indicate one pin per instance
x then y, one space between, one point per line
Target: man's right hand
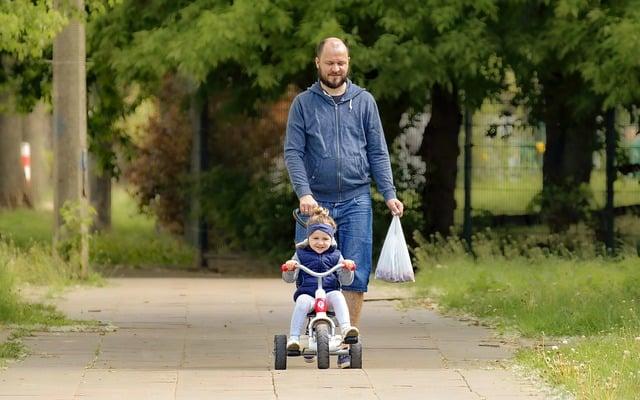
307 204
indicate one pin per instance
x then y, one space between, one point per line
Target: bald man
333 148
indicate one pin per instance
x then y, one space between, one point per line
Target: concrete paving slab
203 337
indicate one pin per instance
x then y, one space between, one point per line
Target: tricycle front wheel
322 338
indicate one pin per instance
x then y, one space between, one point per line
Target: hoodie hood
352 91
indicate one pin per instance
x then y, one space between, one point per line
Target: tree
27 27
441 54
407 55
37 132
568 57
11 175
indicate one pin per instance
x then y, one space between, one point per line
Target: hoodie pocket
324 176
354 172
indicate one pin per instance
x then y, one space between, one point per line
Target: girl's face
319 241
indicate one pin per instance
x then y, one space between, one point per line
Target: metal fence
506 166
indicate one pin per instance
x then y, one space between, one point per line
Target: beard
332 81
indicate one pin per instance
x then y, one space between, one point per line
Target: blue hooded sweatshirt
332 150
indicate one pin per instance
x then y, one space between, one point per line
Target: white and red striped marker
25 155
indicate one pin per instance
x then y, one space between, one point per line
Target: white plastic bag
394 264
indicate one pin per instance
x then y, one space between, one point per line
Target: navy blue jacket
307 284
332 150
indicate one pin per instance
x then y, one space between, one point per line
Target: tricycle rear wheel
355 351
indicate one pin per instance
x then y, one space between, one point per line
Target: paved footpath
202 337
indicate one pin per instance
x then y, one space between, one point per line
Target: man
334 145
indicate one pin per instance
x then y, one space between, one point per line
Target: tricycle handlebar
321 274
316 274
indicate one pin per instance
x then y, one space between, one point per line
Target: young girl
318 252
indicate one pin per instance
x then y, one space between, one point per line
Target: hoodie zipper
338 151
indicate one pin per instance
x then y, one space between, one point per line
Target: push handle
298 218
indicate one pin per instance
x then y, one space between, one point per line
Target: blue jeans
354 237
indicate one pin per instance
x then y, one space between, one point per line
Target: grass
598 367
25 227
33 266
555 297
12 349
133 241
581 309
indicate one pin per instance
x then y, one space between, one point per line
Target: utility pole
70 126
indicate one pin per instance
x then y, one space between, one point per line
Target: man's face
333 64
319 241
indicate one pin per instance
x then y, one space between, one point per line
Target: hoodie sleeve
294 149
377 152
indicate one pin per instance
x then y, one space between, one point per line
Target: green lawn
511 195
582 311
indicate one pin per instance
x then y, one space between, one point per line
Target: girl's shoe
293 344
309 359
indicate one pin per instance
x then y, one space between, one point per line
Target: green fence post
610 143
467 226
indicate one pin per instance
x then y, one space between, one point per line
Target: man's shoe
344 361
309 358
293 344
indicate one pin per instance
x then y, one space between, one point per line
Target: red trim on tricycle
320 305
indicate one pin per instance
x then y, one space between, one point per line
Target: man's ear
317 63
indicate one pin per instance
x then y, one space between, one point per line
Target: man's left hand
396 207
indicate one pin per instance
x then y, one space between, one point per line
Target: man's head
332 61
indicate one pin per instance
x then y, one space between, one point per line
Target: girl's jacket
307 284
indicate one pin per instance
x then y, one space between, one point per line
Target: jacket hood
352 91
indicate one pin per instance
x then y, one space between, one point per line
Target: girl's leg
304 304
338 304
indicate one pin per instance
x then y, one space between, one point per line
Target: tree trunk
440 152
36 131
571 137
12 179
100 196
571 141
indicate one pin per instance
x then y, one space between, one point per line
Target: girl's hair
320 215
